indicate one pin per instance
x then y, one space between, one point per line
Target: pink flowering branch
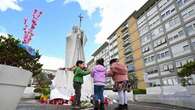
28 32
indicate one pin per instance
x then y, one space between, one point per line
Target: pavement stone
33 105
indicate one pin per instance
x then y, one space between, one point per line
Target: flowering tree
28 32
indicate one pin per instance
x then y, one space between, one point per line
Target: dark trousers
77 88
98 92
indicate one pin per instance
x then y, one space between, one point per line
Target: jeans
77 88
98 93
122 97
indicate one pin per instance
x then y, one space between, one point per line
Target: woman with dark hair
119 74
99 76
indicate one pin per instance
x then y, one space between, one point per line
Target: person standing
99 76
79 72
119 74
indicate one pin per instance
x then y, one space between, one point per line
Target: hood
99 68
119 68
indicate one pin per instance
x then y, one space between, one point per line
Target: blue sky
54 24
101 18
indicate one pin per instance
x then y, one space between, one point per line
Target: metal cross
80 18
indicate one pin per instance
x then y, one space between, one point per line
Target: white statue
75 43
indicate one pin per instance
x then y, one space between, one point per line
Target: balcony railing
125 35
124 28
126 43
131 68
128 59
128 50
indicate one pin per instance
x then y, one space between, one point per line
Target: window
157 32
181 62
163 55
129 58
172 23
176 35
190 28
128 50
154 83
183 3
147 49
154 22
188 13
141 21
180 49
186 47
152 70
143 29
149 59
152 12
168 12
146 38
170 81
165 82
164 3
178 64
175 81
112 38
131 68
165 67
193 43
181 33
159 42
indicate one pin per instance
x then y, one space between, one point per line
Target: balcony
126 43
129 59
125 35
128 50
131 68
124 28
154 75
115 55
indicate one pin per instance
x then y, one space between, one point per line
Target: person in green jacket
79 71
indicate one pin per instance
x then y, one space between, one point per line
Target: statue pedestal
62 86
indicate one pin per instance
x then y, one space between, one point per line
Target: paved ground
132 106
150 106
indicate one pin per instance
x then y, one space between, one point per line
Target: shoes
120 107
96 105
102 106
125 107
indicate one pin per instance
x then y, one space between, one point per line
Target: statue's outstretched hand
64 69
68 69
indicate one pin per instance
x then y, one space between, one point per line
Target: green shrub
37 97
139 91
12 54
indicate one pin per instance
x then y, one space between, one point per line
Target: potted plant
187 76
42 86
17 67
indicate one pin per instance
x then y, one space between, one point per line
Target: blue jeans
98 93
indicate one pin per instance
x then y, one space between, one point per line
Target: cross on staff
80 18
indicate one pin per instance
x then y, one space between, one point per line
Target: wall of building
162 38
137 54
120 46
166 34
